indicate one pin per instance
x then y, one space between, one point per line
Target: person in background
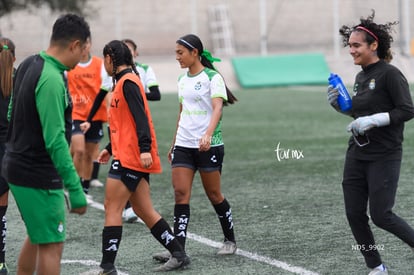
7 59
380 106
146 74
85 82
198 142
37 163
134 150
152 92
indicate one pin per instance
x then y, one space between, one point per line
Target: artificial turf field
287 205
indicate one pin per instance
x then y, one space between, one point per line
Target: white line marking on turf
254 256
249 255
88 263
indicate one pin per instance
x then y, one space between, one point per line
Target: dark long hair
373 32
191 42
120 55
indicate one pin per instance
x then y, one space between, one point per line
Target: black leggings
374 182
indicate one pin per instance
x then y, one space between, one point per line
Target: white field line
88 263
211 243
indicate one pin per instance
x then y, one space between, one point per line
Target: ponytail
207 60
7 57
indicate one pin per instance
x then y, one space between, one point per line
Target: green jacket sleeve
51 102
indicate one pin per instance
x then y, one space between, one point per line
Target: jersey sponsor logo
194 112
60 227
372 84
197 99
81 99
213 158
129 175
197 86
114 103
115 165
85 75
355 89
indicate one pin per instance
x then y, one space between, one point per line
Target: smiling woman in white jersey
198 143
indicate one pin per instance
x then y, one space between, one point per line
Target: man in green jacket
37 164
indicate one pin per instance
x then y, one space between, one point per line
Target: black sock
163 233
95 170
3 228
181 219
223 211
86 184
111 239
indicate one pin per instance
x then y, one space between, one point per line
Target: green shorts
43 212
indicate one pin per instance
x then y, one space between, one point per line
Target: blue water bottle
344 100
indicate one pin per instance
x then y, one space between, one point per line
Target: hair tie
5 47
207 55
368 31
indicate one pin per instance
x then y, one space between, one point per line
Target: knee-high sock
223 211
181 219
86 184
111 239
163 233
95 170
3 228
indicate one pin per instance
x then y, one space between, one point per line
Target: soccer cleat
162 257
129 215
378 271
108 272
3 269
174 263
96 183
228 248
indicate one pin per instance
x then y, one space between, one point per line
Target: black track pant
373 183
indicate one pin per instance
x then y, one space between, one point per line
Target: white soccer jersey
147 76
195 93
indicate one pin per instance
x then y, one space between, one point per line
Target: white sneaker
228 248
129 215
100 271
96 183
378 271
89 198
